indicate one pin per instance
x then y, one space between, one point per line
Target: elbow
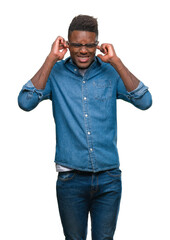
26 101
25 107
145 102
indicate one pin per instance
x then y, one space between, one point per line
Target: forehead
82 36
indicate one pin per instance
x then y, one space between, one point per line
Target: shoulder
58 66
59 63
107 68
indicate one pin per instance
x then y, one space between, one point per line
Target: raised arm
38 88
129 87
58 50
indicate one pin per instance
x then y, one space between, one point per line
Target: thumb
100 56
63 52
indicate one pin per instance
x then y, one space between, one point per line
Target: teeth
83 59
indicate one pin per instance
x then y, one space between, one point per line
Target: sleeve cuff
30 87
29 84
139 91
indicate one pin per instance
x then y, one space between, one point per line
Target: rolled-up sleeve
29 96
139 97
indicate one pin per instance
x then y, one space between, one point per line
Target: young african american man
83 89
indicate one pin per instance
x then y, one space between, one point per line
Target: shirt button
75 69
85 98
84 81
91 149
86 115
88 133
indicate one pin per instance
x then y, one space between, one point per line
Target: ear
67 42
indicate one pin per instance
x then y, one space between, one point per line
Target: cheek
92 54
73 52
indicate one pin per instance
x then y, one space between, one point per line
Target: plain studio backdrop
139 31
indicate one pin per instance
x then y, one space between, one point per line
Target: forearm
58 50
40 78
39 88
129 80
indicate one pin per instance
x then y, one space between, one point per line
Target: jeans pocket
115 172
65 176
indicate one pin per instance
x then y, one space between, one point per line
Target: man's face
82 56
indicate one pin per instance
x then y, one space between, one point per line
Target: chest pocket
102 89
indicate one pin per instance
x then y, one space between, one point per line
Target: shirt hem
87 169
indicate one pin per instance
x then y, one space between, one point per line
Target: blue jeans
79 193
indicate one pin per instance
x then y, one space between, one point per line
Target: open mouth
83 59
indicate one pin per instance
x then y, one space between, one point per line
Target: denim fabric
81 193
84 110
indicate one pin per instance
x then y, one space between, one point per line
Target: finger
100 48
110 47
111 50
56 43
62 43
101 57
62 46
64 52
66 45
60 40
104 48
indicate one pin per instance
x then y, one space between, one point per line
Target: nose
83 50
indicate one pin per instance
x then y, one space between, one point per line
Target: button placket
87 123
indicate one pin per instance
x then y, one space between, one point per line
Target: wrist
117 63
51 58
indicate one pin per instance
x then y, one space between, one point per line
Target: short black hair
83 23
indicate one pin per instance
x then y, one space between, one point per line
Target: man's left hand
109 53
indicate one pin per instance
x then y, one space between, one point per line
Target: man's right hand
58 49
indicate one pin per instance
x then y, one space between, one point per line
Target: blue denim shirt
84 110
